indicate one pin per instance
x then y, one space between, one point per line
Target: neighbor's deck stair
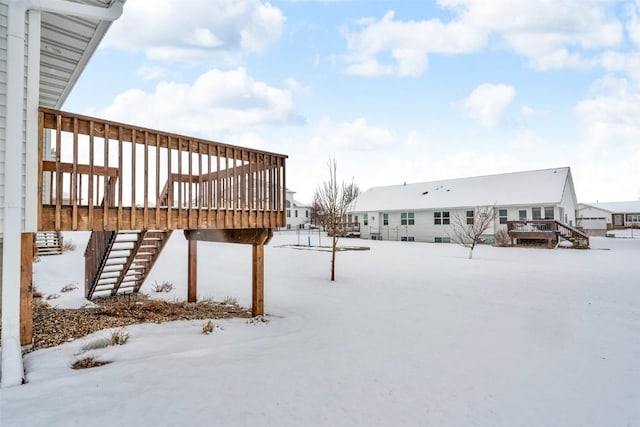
49 243
120 261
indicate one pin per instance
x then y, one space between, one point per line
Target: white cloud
486 104
203 30
297 88
409 43
564 34
527 111
151 73
216 102
356 135
612 114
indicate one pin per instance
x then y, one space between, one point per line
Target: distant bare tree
468 229
331 202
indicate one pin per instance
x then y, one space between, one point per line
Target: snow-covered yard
409 334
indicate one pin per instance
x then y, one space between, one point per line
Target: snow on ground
409 334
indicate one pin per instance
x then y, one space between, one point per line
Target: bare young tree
331 203
468 229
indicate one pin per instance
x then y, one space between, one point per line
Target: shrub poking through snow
502 238
95 344
257 320
68 288
162 287
53 296
207 328
35 292
88 362
119 337
230 301
68 246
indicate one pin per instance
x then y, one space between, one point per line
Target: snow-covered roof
617 207
298 204
536 187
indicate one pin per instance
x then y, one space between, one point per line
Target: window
502 214
536 213
442 240
296 212
407 218
385 219
288 204
522 215
306 214
407 239
548 213
470 217
365 219
441 218
633 217
288 213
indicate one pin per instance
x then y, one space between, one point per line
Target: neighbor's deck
101 175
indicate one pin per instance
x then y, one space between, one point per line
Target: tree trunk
333 257
473 245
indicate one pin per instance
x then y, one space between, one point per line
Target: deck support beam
192 267
257 281
257 237
26 288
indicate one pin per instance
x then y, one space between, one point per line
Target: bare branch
468 230
331 203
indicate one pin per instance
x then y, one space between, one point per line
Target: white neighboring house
424 211
298 214
45 46
596 218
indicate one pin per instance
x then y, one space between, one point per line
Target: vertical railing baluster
133 178
59 183
74 178
179 182
105 179
91 172
158 188
145 214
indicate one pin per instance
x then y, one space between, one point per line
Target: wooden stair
48 243
119 262
575 236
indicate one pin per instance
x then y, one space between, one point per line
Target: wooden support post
26 289
192 287
257 280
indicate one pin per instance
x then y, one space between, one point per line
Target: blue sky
396 91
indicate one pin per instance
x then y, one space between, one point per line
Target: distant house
596 218
424 211
298 213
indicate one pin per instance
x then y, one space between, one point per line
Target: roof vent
425 193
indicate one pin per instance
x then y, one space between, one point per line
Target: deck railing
151 179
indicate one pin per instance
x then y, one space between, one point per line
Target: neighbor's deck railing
151 179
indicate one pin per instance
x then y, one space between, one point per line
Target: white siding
591 218
298 215
3 103
425 229
568 203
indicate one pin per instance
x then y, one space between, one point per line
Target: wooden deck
549 231
103 175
